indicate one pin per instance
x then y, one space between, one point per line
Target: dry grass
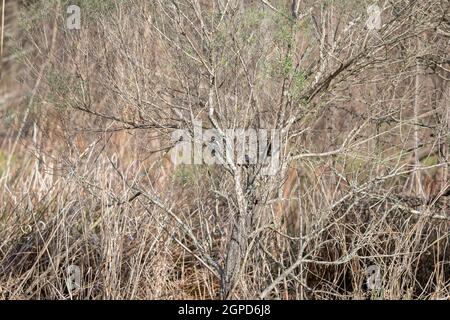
134 250
86 181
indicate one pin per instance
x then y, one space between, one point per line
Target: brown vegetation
86 176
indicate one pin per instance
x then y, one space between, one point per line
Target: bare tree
348 101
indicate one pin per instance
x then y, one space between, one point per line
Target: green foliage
99 6
184 174
3 161
61 84
31 16
58 81
249 29
430 161
378 294
284 33
18 53
287 66
298 83
253 18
